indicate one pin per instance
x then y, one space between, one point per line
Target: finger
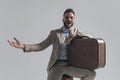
75 30
11 42
16 40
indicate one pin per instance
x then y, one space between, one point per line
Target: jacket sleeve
39 46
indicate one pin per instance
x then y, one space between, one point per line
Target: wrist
22 46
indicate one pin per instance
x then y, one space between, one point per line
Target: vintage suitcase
87 53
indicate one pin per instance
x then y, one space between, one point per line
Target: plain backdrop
30 21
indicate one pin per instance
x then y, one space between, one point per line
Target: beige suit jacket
54 38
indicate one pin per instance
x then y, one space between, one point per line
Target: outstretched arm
16 44
32 47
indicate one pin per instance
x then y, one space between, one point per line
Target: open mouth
68 23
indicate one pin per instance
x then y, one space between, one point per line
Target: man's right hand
16 43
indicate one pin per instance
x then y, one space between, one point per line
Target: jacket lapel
59 34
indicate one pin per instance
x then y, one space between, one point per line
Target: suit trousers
61 68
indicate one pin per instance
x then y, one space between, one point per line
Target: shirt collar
65 30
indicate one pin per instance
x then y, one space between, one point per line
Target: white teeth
68 23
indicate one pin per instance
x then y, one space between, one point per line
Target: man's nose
69 18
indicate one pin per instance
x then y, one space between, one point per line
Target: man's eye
68 17
71 17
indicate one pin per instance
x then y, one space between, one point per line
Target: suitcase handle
79 37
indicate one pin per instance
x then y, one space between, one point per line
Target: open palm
16 43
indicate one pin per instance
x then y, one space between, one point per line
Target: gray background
31 21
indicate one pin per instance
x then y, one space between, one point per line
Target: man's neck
68 28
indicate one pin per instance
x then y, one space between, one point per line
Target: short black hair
69 10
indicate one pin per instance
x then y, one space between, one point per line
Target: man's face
68 20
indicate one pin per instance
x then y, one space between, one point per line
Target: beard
68 25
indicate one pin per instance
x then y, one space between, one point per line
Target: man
59 38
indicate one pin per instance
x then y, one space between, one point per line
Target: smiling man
58 67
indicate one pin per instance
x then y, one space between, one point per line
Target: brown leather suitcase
87 53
